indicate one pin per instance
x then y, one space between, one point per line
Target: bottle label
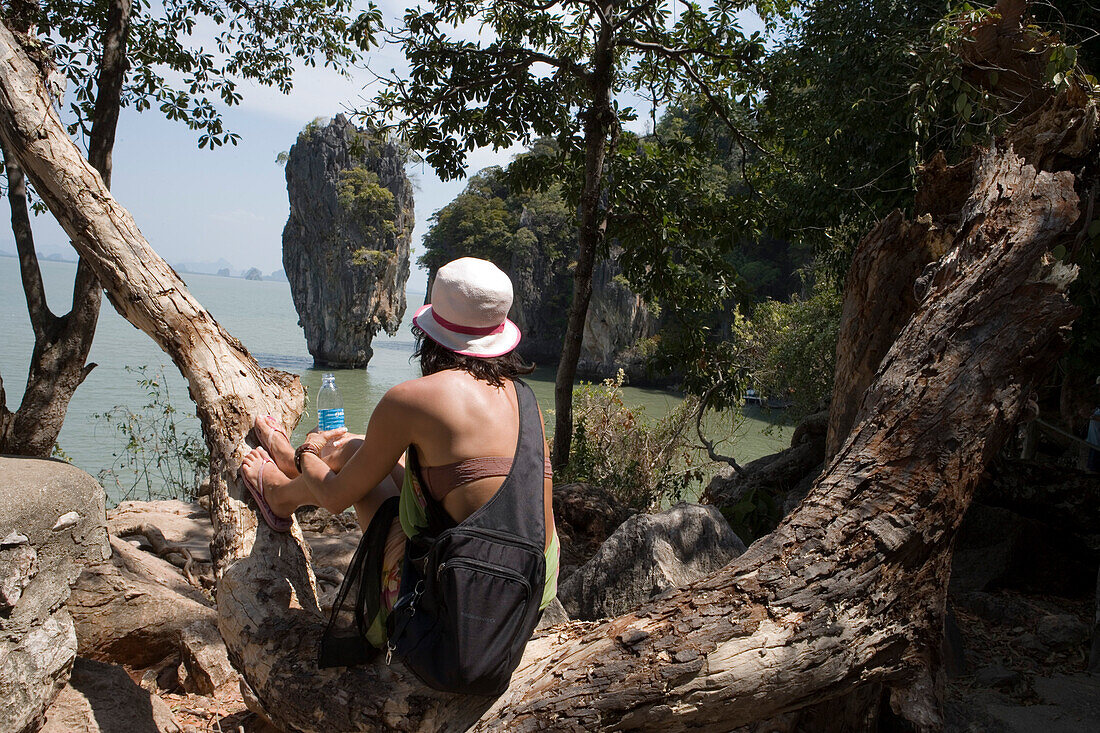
330 419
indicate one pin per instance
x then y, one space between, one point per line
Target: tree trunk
61 344
847 592
229 388
878 302
598 121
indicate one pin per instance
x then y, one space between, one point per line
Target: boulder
346 243
553 615
51 521
1061 631
585 516
204 658
101 698
647 555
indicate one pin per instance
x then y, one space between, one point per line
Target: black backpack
470 593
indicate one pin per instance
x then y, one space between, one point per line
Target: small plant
163 458
790 348
644 463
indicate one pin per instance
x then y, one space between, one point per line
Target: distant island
220 268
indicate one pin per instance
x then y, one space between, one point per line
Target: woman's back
462 418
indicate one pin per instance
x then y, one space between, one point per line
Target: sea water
261 314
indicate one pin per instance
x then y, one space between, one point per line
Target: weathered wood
879 300
229 388
847 592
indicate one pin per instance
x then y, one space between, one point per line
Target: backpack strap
518 503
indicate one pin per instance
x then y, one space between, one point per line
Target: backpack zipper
504 538
488 568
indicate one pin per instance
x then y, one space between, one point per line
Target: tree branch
42 319
711 452
597 9
670 52
626 19
112 75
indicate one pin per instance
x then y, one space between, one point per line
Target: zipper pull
389 652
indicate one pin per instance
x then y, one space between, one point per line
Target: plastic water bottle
330 408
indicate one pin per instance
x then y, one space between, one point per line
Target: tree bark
847 592
598 121
878 303
59 360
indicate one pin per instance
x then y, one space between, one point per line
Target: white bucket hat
468 313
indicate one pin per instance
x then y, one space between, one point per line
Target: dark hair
494 370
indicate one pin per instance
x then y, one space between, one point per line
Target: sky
200 205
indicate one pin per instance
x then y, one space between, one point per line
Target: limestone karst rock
618 326
617 330
346 243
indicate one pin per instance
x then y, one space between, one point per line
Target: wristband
306 447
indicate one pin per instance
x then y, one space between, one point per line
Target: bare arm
388 434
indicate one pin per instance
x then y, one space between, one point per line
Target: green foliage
790 348
645 463
373 258
162 457
314 126
834 111
171 70
754 515
487 220
59 453
370 206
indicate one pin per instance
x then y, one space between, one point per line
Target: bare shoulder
423 394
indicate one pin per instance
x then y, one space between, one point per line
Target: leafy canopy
187 58
535 67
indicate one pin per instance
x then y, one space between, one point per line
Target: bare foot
264 474
273 438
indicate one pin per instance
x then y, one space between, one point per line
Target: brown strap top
442 480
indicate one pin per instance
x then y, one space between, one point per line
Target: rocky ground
1026 661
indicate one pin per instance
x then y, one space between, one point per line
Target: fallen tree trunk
847 592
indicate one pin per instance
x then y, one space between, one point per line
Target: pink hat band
467 330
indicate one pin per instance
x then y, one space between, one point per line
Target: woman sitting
448 439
